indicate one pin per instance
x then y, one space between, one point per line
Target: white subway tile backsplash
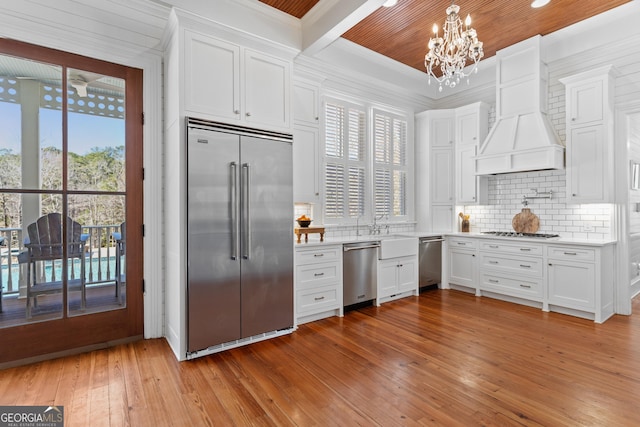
556 216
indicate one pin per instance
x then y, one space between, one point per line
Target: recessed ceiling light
539 3
390 3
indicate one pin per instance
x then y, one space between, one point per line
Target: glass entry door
70 201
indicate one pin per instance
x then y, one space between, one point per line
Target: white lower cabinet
397 278
461 260
318 282
512 269
581 279
572 279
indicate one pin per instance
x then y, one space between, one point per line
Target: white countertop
551 240
418 234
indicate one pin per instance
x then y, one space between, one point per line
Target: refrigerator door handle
234 210
246 220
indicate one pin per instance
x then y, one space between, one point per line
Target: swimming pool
97 271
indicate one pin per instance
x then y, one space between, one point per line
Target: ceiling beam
330 19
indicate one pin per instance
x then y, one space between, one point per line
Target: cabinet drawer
515 265
317 274
523 287
318 255
571 253
317 300
457 242
512 248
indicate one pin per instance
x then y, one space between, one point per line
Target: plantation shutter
345 160
390 157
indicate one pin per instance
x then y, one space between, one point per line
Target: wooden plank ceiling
403 31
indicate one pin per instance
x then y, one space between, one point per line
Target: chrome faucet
375 227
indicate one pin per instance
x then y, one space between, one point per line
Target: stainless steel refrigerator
240 233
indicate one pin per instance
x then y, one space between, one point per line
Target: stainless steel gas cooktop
515 234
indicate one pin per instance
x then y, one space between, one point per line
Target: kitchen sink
396 245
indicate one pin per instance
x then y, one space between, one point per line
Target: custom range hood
522 138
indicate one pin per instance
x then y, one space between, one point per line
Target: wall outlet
588 228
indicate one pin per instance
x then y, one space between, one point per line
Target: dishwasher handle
431 240
355 248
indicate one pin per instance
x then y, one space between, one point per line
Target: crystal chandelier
451 52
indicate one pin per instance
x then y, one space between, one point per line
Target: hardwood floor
444 358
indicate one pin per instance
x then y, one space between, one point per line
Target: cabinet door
306 103
467 129
442 129
586 103
305 165
572 284
586 156
407 275
462 265
442 176
466 180
212 77
267 90
387 278
442 218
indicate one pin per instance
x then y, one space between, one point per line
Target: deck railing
100 258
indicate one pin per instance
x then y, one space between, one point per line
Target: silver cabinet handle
570 253
318 298
522 285
234 210
248 114
525 249
318 274
236 111
494 281
493 262
494 246
525 266
318 255
246 209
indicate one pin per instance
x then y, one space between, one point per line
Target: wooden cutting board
525 222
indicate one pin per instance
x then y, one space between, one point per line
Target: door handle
234 210
246 209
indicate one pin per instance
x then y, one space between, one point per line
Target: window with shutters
367 163
345 160
390 165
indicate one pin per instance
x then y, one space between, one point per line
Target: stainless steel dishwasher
359 272
430 266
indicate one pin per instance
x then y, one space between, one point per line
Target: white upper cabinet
441 128
306 103
471 128
267 90
212 77
306 161
585 102
230 83
590 157
442 176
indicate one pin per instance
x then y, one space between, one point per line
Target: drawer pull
571 253
494 281
318 255
462 243
522 285
399 265
525 266
318 298
525 249
318 274
493 262
494 246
